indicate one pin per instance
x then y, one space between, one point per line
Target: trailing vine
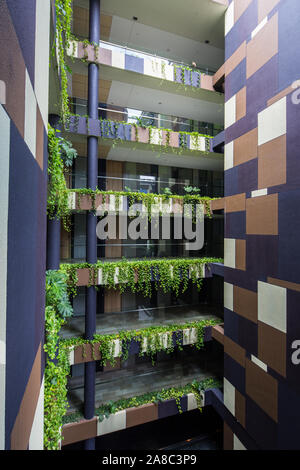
142 275
58 199
151 340
109 129
57 367
63 36
173 393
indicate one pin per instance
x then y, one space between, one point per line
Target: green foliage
192 190
142 275
56 293
173 393
150 340
147 199
63 37
67 152
58 308
60 151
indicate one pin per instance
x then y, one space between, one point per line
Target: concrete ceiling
134 90
174 29
144 153
197 161
137 97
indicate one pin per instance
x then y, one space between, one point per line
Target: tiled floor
177 369
113 322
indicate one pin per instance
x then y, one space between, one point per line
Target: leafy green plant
67 152
63 36
57 367
142 275
191 190
159 396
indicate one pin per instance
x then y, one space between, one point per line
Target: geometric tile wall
262 222
24 59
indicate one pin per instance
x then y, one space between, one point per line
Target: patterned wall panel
262 254
24 56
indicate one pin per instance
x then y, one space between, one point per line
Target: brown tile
141 414
272 347
217 204
87 353
245 147
80 87
114 170
81 23
112 301
228 437
80 431
12 70
240 7
241 104
280 95
19 438
219 75
235 203
240 408
235 59
234 351
262 389
286 284
240 254
262 215
217 333
83 276
272 163
143 135
262 47
39 138
207 82
245 303
112 251
265 7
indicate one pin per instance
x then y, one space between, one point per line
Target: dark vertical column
53 225
53 243
91 248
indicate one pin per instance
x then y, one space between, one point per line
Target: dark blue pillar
53 243
91 248
53 225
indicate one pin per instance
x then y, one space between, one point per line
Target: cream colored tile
272 122
237 445
228 155
229 396
229 252
272 305
230 112
42 47
228 296
115 422
229 18
30 116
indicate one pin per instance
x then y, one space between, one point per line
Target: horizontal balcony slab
112 323
114 202
152 69
140 92
133 381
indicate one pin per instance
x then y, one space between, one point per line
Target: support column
91 247
53 225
